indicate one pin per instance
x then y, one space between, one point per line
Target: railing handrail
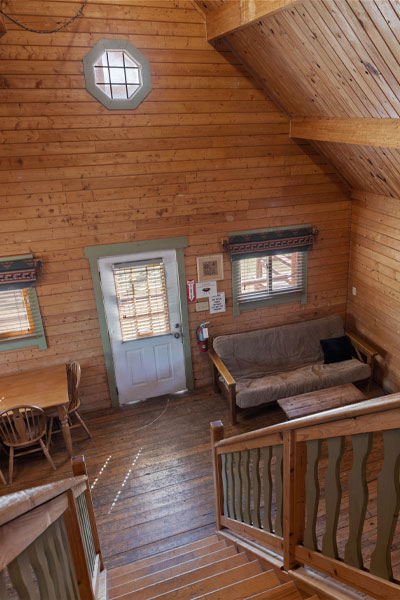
239 477
366 407
54 520
19 503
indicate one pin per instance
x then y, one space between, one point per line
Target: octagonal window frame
124 46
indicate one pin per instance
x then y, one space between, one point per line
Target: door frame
93 253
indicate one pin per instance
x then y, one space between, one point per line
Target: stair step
178 569
285 591
208 585
245 588
170 558
180 581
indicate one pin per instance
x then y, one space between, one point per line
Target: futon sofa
260 367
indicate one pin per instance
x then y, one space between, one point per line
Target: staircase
210 568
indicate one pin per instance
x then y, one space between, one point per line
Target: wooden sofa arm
362 346
229 390
221 368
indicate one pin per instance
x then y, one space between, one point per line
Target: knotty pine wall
205 154
374 271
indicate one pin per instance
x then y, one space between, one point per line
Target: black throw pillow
337 349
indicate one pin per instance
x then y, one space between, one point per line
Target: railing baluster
40 565
312 494
358 498
238 486
3 589
279 489
21 576
388 505
68 573
54 563
86 531
255 479
231 486
266 454
333 495
246 485
224 484
216 435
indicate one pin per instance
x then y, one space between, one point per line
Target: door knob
177 335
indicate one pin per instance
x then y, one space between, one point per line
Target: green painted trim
35 340
108 359
187 353
144 246
93 253
21 257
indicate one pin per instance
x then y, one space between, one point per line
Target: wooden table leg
63 417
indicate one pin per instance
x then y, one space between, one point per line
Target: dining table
46 388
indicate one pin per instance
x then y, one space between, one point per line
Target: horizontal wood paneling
205 154
374 271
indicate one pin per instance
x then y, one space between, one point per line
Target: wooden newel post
79 468
217 434
294 469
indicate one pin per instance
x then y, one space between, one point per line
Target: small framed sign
217 303
191 290
210 268
206 289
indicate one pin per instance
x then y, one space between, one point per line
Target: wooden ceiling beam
382 133
235 14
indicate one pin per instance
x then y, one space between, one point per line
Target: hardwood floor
149 466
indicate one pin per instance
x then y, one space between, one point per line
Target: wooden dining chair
20 428
74 378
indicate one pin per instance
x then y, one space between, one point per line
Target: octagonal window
117 74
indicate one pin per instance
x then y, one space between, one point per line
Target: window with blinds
142 299
16 318
267 277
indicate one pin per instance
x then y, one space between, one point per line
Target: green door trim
93 253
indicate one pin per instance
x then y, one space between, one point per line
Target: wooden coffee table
320 400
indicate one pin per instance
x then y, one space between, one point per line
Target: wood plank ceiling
330 58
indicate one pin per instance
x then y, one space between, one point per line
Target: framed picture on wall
210 268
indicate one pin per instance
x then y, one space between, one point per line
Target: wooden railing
49 546
267 488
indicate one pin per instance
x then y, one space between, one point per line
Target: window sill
283 299
26 341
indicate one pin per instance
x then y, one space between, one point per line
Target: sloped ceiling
330 58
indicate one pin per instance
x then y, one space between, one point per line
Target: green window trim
285 298
38 339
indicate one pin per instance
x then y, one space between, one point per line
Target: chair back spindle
74 378
22 425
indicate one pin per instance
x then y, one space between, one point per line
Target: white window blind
142 299
16 317
264 277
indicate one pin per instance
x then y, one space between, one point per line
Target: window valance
269 243
18 274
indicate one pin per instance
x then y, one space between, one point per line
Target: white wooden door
143 311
